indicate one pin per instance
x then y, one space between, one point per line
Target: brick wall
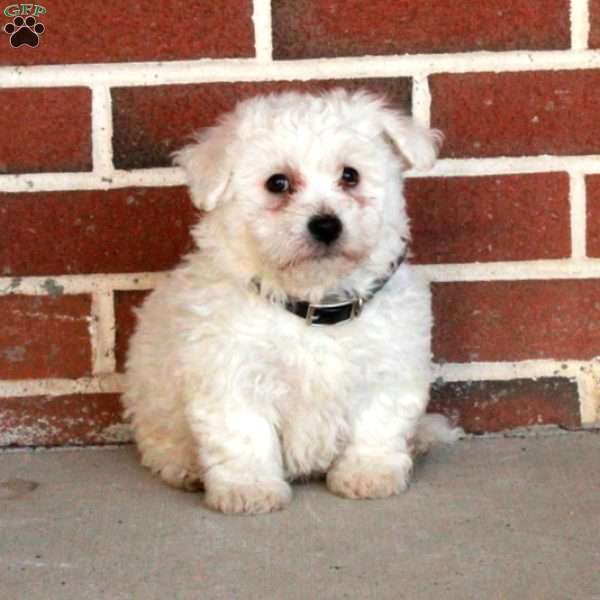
506 227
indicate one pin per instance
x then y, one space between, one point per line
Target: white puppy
236 378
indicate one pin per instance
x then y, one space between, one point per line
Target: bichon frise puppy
296 340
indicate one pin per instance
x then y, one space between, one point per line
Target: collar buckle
312 312
357 307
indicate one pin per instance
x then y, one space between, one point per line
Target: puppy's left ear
417 145
208 165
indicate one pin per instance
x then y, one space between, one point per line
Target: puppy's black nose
325 228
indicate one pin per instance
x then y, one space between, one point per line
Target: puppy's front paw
364 480
251 498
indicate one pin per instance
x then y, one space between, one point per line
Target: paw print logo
24 31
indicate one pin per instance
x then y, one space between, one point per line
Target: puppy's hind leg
172 457
433 429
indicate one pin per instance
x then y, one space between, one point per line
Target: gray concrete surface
487 518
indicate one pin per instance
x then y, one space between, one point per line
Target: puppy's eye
278 183
350 177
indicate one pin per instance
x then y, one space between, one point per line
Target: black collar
334 312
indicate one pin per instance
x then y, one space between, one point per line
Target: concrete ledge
488 518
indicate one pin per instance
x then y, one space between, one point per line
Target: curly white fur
227 388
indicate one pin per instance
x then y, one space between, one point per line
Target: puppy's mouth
318 254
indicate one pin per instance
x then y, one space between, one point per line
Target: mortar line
154 73
102 331
512 165
263 31
584 408
99 384
102 132
534 270
588 381
98 283
173 176
580 24
508 370
421 101
49 182
449 372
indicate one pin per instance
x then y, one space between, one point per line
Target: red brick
516 320
594 23
313 28
487 406
124 230
593 215
152 122
44 336
481 219
527 113
125 303
109 31
45 129
60 420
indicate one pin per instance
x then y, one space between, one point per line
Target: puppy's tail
433 429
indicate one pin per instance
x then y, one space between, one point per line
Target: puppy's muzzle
325 228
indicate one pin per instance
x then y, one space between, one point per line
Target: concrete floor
487 518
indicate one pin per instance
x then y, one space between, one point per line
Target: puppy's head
306 189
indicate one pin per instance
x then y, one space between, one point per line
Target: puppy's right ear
208 166
417 145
